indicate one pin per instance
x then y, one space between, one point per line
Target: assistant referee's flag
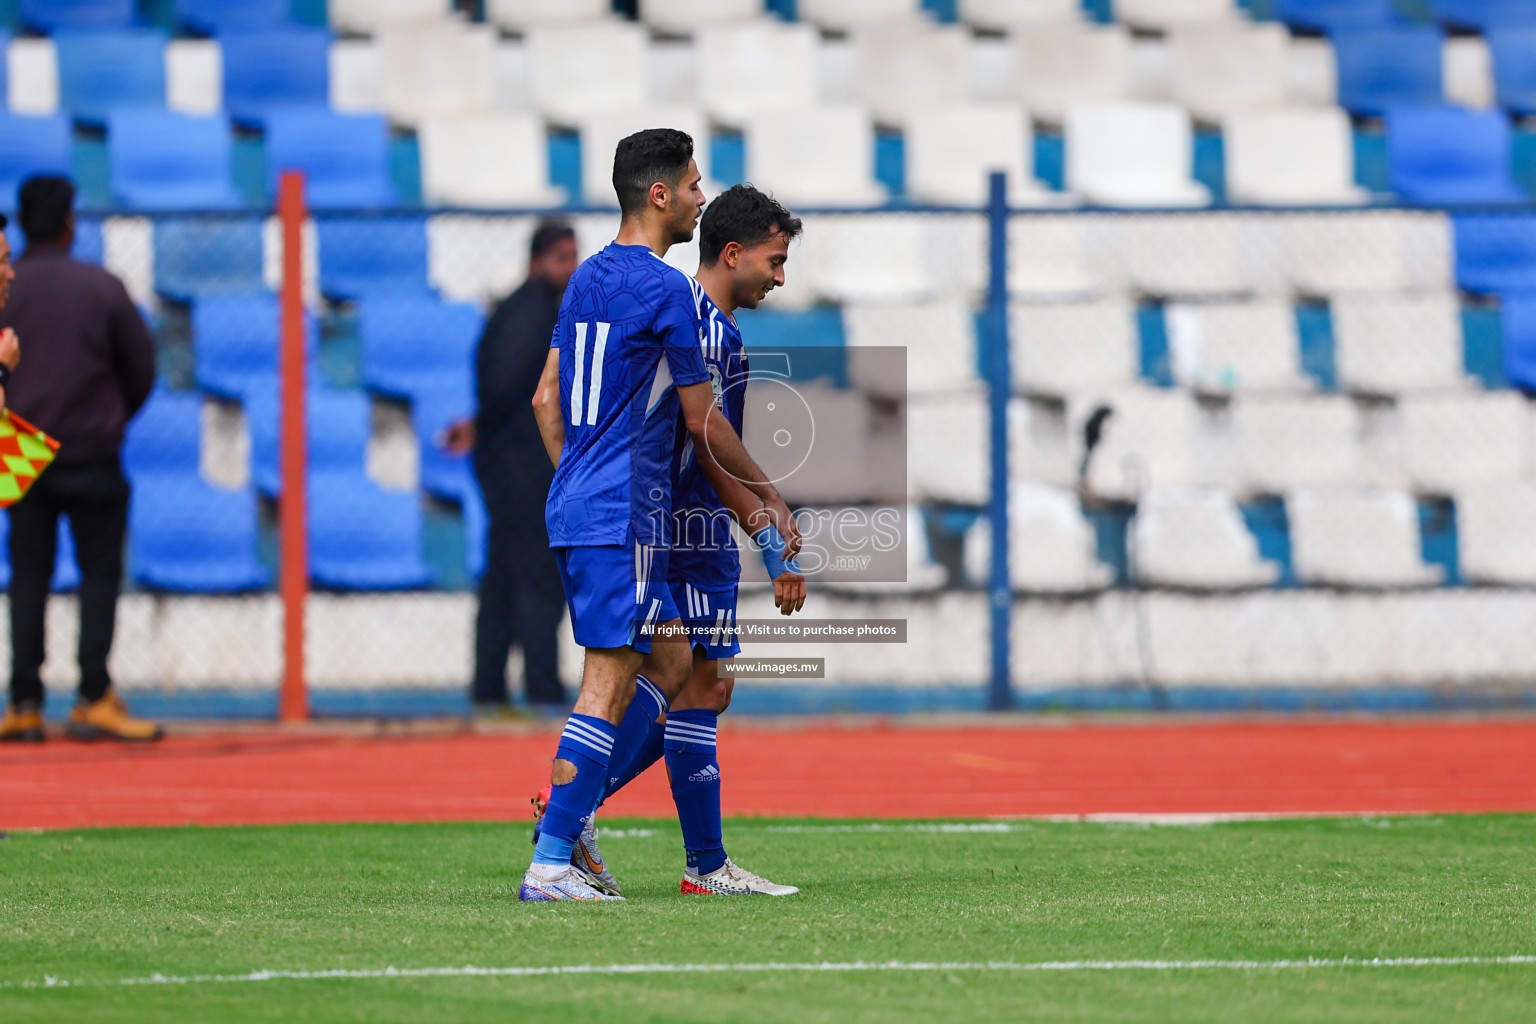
25 452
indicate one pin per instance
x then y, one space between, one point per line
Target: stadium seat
1060 68
32 73
51 16
818 156
520 15
1485 14
433 412
478 258
1286 442
32 145
235 340
1161 15
338 426
849 15
418 345
947 447
1196 537
362 256
1062 348
1332 15
1235 346
1495 543
757 67
1388 67
362 537
859 258
1514 67
1149 440
1387 250
1051 547
939 339
684 17
1224 69
200 256
1454 441
1357 537
1496 253
905 68
600 135
1447 155
214 17
185 535
486 160
581 71
1468 72
1012 15
1048 257
1177 255
1132 154
194 76
274 68
438 70
1291 157
476 526
366 17
167 161
101 71
357 77
345 158
951 150
66 571
1518 321
1386 344
165 437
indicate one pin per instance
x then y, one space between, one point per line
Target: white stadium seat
1222 69
755 68
1133 155
1059 68
952 149
1369 250
947 447
477 258
1196 537
861 258
1178 255
847 15
1165 14
368 16
1061 348
486 161
1235 346
685 17
1291 157
1009 15
357 77
1353 536
194 76
1468 72
1384 344
1495 542
940 343
901 69
1150 440
521 15
32 77
819 156
600 135
438 70
1051 545
1451 441
1288 442
581 71
1312 72
1049 257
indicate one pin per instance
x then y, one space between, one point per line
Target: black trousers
95 497
521 600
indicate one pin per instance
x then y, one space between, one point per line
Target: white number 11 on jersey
594 385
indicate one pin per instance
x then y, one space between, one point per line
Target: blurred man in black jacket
520 596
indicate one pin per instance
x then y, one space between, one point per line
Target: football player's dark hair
746 216
644 158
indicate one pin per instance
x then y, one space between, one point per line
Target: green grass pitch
96 907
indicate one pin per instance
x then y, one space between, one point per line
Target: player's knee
561 772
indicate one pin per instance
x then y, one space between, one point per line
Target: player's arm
10 358
546 407
753 517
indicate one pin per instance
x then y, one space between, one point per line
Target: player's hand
10 348
789 592
784 519
459 438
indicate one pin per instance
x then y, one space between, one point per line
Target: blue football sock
638 745
695 773
588 744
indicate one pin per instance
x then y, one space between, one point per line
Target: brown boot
22 725
108 719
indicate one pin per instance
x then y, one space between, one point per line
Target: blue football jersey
629 335
704 551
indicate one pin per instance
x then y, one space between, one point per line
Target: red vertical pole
293 526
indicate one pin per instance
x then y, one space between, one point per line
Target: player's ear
731 254
660 195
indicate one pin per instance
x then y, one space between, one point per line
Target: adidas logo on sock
709 773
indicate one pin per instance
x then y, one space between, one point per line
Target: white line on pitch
897 966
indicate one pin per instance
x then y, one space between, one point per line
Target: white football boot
731 880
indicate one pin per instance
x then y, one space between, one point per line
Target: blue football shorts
710 616
615 593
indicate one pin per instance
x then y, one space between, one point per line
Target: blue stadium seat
203 256
418 345
476 527
1518 314
186 535
1514 68
52 15
275 68
1449 155
103 71
90 246
365 256
235 342
1330 15
362 537
1389 67
215 16
345 158
167 161
31 145
433 412
1496 254
166 437
1485 14
338 425
66 573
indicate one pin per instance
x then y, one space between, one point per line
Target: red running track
817 769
